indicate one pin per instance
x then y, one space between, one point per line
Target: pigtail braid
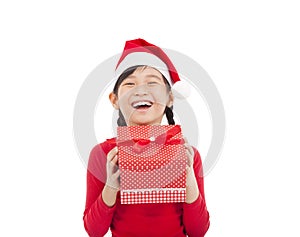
170 115
121 120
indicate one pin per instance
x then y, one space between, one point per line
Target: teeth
141 103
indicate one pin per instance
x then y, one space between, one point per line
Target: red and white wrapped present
152 163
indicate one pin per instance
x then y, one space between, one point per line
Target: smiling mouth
142 104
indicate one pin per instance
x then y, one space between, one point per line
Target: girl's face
142 97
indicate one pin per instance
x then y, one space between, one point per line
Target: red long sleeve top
147 220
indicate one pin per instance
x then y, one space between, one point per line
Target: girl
142 94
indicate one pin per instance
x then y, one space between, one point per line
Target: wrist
192 194
192 191
191 178
109 195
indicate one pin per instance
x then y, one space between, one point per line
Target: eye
152 83
128 84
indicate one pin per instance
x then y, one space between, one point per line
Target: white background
251 51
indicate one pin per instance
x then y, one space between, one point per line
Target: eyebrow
155 76
148 75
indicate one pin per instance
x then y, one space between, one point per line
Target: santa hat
140 52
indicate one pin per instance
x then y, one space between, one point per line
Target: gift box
152 163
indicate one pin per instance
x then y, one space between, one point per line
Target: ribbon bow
139 144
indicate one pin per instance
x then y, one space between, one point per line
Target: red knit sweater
153 220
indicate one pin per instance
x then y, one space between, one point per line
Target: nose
141 90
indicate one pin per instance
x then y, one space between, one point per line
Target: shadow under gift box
152 162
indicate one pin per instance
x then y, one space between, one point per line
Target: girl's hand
190 162
112 185
192 191
112 170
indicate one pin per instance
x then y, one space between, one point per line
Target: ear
114 100
171 99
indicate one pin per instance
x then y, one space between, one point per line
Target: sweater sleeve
97 216
195 215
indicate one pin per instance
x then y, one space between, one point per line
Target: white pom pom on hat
181 89
140 52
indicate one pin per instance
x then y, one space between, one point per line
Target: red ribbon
164 139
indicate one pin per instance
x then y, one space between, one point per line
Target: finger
114 160
188 146
116 174
190 156
110 168
189 160
189 149
111 154
113 163
188 169
113 185
115 177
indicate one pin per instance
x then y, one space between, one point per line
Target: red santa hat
140 52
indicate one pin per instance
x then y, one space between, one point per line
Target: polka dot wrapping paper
152 163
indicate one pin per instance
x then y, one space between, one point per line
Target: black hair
121 120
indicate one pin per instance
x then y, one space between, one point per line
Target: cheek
124 105
161 96
123 96
122 93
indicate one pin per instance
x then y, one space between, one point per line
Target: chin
144 120
141 122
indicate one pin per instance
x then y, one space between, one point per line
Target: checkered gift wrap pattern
152 161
